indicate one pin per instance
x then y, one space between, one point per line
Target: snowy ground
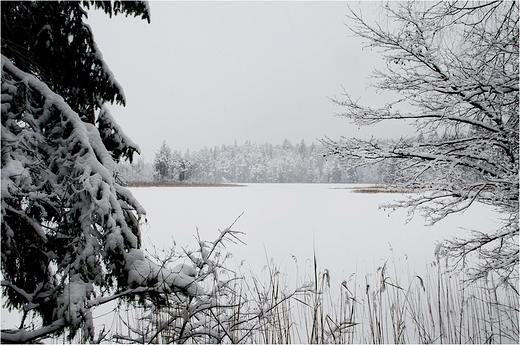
287 222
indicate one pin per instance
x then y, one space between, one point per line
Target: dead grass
380 189
392 304
375 190
181 184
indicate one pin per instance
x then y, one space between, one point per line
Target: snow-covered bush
227 305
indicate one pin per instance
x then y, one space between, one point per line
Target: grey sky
207 73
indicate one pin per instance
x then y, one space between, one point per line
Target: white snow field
284 222
288 223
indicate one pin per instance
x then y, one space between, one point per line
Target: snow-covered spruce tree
455 67
70 231
171 166
163 163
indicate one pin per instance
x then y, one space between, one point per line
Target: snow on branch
84 251
114 138
454 69
66 222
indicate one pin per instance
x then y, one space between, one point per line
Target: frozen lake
286 222
289 222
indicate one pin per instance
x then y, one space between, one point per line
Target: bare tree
454 68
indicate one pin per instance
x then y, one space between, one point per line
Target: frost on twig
454 70
230 307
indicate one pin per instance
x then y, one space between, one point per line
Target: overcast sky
207 73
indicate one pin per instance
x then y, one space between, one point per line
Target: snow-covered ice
285 222
288 223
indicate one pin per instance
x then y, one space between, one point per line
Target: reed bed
392 304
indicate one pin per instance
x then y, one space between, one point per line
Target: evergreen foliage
250 163
169 166
70 231
50 40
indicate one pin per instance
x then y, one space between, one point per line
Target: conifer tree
70 230
163 163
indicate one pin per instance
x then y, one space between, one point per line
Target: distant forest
251 163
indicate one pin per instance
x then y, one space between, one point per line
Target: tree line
252 163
